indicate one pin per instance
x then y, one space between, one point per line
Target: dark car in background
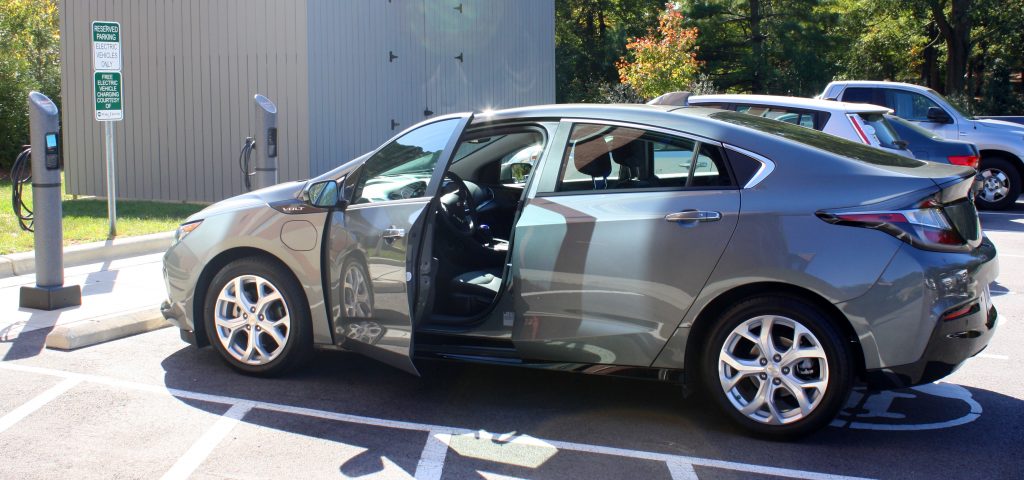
927 145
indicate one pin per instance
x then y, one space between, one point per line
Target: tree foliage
968 49
29 60
663 60
590 36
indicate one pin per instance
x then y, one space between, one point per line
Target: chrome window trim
642 126
767 166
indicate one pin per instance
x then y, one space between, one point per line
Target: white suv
857 122
1001 143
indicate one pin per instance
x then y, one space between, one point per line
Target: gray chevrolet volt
768 265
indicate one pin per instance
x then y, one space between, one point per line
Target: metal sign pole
108 145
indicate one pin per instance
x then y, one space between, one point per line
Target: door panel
379 235
605 279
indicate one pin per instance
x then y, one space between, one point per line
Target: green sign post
109 100
109 106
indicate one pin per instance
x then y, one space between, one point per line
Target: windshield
822 141
951 105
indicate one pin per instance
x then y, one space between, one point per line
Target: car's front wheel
257 318
778 366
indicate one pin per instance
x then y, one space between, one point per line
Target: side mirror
323 194
515 172
938 115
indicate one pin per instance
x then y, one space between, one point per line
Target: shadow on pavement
621 413
26 344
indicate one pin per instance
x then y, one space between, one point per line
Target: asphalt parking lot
149 406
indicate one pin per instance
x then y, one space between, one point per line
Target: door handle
393 233
693 216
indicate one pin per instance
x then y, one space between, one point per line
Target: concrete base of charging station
50 298
104 329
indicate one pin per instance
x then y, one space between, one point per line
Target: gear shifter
485 234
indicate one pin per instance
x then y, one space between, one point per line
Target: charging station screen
51 142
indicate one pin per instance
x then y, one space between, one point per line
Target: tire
357 302
782 417
1000 184
278 311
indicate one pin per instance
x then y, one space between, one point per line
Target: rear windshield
819 140
907 124
887 137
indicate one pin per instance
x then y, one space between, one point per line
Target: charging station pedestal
265 171
49 293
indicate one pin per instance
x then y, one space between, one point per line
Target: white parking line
682 471
431 462
18 414
201 449
993 356
438 432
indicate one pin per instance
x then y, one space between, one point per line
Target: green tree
881 39
30 60
664 60
590 35
765 46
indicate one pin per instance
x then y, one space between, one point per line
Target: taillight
924 227
964 160
960 312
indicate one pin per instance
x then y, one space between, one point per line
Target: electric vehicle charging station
265 171
49 293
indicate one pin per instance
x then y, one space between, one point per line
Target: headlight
185 229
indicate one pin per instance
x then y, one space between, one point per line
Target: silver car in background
768 265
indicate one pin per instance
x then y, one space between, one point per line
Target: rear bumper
939 346
950 345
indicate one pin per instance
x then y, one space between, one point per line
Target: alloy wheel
773 370
356 293
995 185
252 320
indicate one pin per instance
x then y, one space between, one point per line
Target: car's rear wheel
257 318
778 366
1000 184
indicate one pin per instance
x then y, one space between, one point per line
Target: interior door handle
693 216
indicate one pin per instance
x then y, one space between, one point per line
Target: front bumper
173 313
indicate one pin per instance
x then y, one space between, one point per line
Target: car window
859 95
782 114
611 158
908 105
403 168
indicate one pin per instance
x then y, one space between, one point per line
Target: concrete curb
24 263
91 332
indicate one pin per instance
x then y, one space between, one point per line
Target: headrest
599 165
630 155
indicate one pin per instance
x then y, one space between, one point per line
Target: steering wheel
458 208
